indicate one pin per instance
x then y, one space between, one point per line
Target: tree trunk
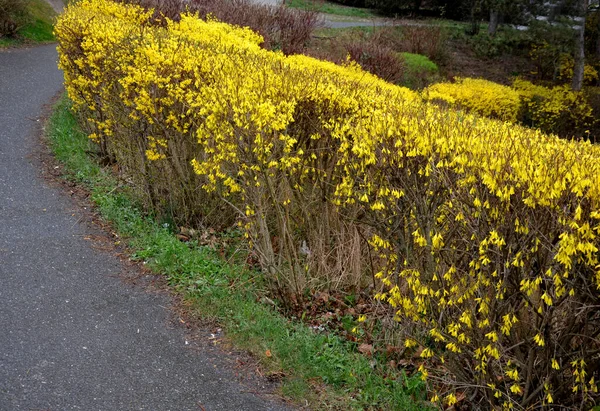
475 17
554 10
598 38
417 6
493 22
580 48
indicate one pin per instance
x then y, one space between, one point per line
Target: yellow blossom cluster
557 110
481 96
485 234
554 109
590 74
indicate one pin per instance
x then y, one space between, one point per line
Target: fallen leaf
323 296
366 349
182 237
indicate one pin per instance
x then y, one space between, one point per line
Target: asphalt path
73 334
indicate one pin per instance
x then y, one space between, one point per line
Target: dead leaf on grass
366 349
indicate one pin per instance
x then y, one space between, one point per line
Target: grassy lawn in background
319 368
38 29
331 8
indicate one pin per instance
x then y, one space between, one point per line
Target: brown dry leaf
366 349
323 297
268 353
183 238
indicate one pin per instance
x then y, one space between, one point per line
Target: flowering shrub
590 74
557 110
481 96
281 27
180 137
486 234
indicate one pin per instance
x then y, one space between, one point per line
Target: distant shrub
419 62
371 50
590 74
505 41
13 15
376 58
548 44
419 71
558 110
427 40
592 95
481 96
391 7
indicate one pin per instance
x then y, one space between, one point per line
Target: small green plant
419 62
419 71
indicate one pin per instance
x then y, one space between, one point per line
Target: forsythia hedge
484 97
485 234
557 110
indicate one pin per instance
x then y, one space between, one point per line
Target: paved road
73 335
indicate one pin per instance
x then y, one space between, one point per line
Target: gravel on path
73 334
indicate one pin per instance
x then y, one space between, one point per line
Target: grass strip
332 8
39 26
322 369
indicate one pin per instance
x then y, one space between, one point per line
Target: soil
463 62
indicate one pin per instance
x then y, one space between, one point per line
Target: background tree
579 57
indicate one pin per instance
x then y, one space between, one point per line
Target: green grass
40 16
419 62
322 369
332 8
344 31
4 42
